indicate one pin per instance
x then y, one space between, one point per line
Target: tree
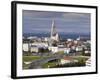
83 51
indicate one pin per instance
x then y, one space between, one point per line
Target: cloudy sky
65 22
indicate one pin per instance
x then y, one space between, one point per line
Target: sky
65 22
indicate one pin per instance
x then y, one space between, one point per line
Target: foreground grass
81 59
49 64
30 58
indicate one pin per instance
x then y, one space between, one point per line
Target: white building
34 48
25 47
79 48
46 39
75 41
87 51
67 50
41 44
59 49
53 49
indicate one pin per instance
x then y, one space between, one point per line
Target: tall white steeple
54 34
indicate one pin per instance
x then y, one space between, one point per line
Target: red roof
67 58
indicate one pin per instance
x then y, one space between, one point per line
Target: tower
54 34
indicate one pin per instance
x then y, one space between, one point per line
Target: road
38 63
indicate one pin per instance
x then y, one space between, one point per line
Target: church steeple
53 29
54 34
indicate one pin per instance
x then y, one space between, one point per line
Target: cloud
40 21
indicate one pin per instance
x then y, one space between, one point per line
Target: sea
62 35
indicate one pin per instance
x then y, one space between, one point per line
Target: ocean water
62 35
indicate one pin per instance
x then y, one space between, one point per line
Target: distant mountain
62 35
